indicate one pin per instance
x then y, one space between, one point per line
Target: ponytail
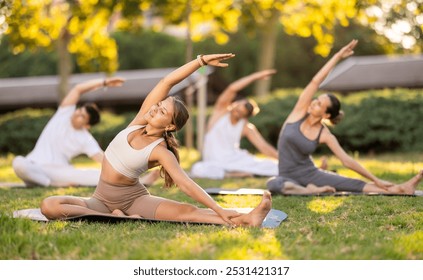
172 145
336 114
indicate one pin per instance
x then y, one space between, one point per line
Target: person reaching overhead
228 124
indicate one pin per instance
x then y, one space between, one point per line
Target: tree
68 27
400 21
5 11
305 18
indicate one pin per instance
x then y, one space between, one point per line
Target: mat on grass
22 185
246 191
273 219
12 185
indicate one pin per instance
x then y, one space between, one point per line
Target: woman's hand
348 49
227 215
113 82
383 184
215 59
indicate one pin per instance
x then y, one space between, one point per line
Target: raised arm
162 89
307 95
229 94
78 90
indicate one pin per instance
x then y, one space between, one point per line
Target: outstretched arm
307 95
187 185
254 136
162 89
229 94
330 140
75 93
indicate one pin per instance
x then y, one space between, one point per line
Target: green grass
356 227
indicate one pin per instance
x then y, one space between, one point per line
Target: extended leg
176 211
408 187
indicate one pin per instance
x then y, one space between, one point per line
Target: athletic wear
296 164
125 159
130 162
222 153
49 162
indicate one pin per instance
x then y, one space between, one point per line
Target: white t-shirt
59 141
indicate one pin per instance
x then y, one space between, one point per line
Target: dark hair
336 114
180 117
252 108
93 112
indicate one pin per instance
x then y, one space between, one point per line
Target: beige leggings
131 200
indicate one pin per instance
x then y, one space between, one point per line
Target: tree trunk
189 91
64 64
269 33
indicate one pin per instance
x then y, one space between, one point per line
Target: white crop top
125 159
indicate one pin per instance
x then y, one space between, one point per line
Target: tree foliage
40 24
401 21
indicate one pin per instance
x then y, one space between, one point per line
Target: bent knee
50 207
18 164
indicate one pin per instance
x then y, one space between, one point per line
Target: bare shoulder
160 152
326 136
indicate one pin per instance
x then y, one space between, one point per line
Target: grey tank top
295 149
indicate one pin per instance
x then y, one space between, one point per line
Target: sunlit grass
325 205
354 227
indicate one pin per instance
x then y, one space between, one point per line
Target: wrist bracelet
202 59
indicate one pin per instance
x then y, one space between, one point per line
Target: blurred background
48 45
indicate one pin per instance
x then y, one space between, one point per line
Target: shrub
375 121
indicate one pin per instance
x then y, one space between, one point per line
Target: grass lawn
327 228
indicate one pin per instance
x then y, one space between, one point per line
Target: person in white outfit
66 136
222 156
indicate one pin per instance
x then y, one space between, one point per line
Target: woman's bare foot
408 187
291 188
324 163
120 213
257 215
311 188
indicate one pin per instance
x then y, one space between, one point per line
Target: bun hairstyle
336 114
93 113
252 108
180 117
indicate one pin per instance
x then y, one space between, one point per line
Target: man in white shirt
64 137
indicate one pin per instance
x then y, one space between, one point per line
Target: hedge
375 121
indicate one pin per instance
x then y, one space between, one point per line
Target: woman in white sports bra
148 142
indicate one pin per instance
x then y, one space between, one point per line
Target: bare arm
187 185
307 95
330 140
254 136
75 93
229 94
162 89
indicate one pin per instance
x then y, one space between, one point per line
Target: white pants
53 175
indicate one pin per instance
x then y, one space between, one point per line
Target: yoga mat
12 185
272 220
245 191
